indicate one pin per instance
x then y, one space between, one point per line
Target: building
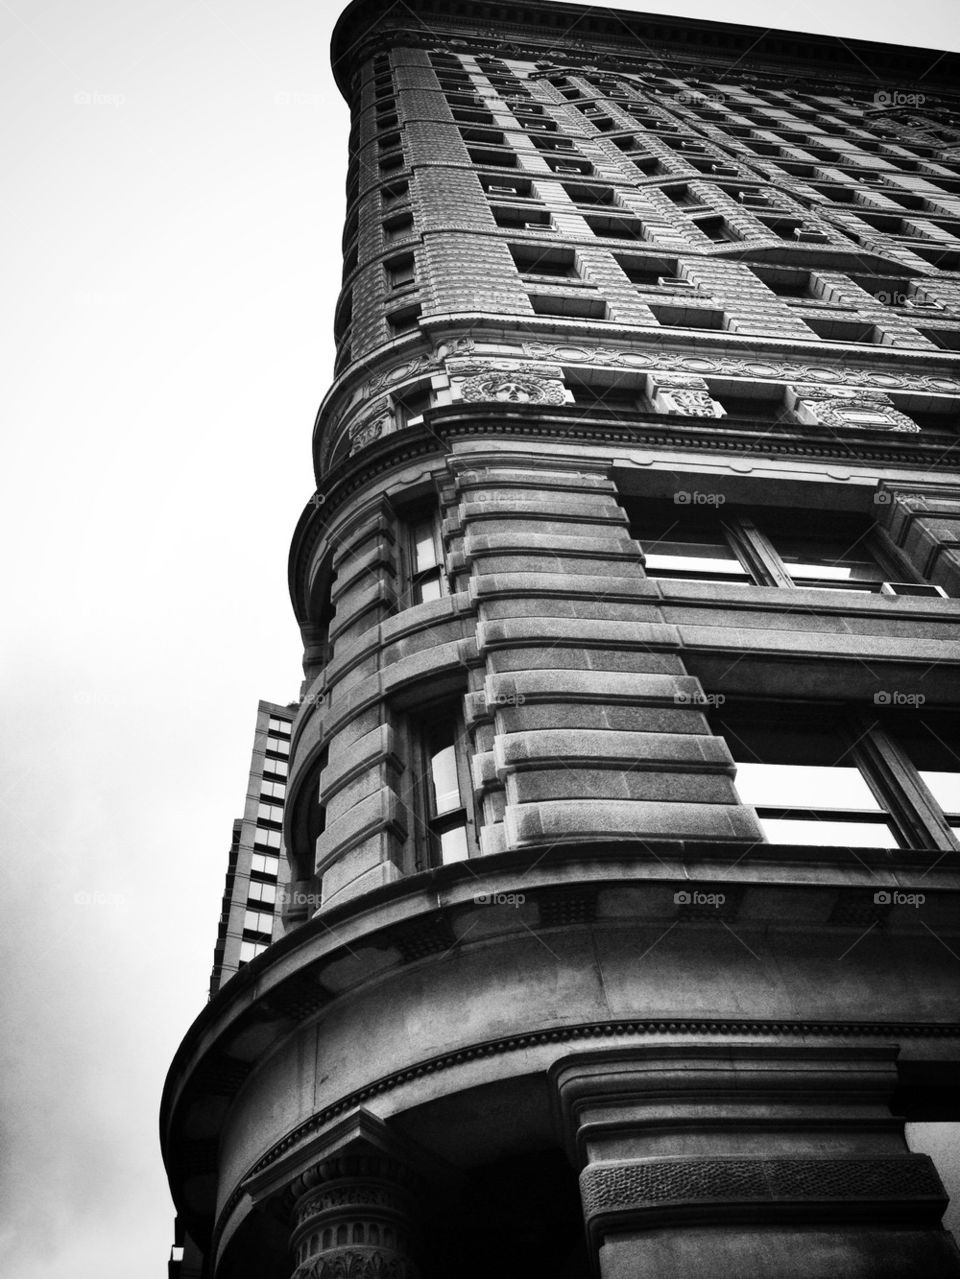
257 868
623 808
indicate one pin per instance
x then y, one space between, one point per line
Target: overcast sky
171 218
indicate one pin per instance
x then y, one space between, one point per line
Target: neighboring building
257 871
621 929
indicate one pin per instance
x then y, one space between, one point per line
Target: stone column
716 1161
352 1217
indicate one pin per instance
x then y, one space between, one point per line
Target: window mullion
755 552
900 789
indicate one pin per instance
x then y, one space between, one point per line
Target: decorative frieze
847 408
683 394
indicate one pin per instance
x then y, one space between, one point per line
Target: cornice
624 1027
542 30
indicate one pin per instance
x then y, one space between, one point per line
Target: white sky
171 217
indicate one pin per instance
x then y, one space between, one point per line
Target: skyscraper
256 880
622 816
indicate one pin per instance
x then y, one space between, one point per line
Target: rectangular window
263 838
269 813
697 538
609 226
425 550
272 790
447 788
250 950
404 320
279 745
264 864
532 259
400 271
257 921
843 330
283 726
802 774
569 306
258 892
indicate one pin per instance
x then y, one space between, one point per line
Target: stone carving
513 388
847 408
631 358
683 394
356 1264
400 372
364 433
635 1186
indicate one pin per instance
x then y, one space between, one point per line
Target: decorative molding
364 433
684 394
626 357
512 388
847 409
627 1195
564 1034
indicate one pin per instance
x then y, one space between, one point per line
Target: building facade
622 818
257 869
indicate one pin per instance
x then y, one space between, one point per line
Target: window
521 219
272 790
405 320
411 403
791 548
619 228
843 330
394 192
531 259
400 271
264 864
279 725
399 225
784 282
647 272
448 783
269 813
258 921
260 892
687 317
570 306
264 838
250 950
715 229
423 552
511 187
279 745
276 766
825 775
945 339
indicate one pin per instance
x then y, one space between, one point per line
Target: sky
171 213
